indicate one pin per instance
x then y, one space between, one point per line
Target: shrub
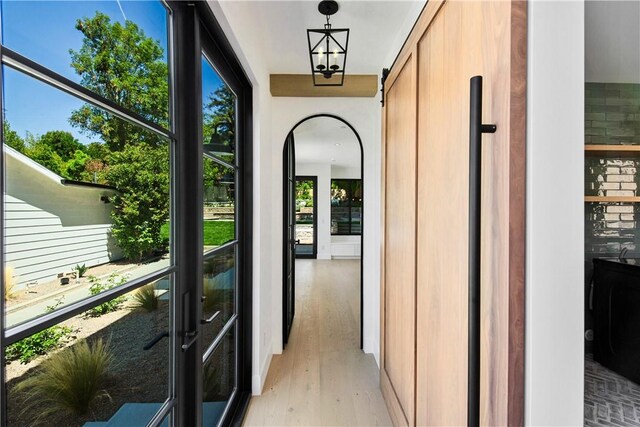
97 287
81 269
141 173
68 381
9 283
38 344
146 298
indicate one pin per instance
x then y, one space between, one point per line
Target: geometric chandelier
328 49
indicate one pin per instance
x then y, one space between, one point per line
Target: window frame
352 182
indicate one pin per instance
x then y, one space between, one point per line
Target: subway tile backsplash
612 116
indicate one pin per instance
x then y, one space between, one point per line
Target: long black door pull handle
476 129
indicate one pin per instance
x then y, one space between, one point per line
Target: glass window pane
117 49
219 287
218 115
84 210
219 380
110 368
219 204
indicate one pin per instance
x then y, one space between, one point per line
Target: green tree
220 116
141 208
122 64
62 143
74 168
11 137
46 156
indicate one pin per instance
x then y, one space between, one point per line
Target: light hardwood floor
322 378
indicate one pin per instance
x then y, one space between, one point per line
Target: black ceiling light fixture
328 49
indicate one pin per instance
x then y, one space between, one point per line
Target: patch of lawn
216 233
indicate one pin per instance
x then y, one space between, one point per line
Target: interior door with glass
289 210
306 245
221 240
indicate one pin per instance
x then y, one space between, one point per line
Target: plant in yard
81 269
9 283
68 381
98 287
52 307
146 298
38 344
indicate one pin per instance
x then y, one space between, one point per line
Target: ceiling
378 29
326 140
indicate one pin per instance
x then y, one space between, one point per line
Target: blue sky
44 31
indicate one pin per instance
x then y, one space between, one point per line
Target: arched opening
331 151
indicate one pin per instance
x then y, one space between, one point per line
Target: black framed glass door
306 202
126 259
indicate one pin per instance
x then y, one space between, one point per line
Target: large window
346 207
124 257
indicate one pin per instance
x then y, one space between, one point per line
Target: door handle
210 319
191 337
476 129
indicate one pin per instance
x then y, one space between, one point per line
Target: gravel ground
134 376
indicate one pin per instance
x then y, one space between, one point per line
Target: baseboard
371 346
324 256
258 380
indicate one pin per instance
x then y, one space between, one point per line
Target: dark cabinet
616 307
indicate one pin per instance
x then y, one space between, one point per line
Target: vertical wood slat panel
398 358
452 42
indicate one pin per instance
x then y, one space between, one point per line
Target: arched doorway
346 220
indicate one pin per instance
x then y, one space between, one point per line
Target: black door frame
284 216
314 179
193 29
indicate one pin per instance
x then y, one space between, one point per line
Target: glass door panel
306 218
220 279
219 379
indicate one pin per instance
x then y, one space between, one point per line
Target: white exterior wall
554 350
51 227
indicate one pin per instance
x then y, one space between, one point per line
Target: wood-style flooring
322 378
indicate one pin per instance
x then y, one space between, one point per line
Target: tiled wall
612 116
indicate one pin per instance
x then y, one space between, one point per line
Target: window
346 207
126 267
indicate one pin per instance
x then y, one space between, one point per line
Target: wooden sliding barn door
424 353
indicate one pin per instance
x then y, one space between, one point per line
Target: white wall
323 203
612 39
50 227
555 215
364 115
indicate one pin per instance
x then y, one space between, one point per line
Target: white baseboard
371 346
258 380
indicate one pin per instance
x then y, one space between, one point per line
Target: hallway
322 377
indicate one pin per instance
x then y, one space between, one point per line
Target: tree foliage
220 116
11 137
141 208
122 64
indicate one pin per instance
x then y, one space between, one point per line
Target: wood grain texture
608 199
456 41
322 378
398 361
517 213
301 85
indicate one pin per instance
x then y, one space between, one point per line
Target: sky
44 31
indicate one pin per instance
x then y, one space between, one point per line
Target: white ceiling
612 36
377 29
326 140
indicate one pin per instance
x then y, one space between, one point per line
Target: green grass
215 232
